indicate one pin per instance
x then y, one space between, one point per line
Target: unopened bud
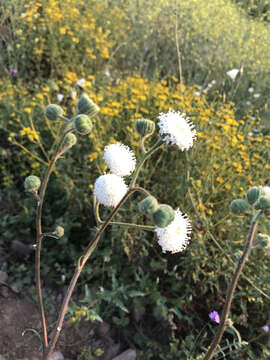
148 205
70 140
82 124
59 231
163 216
53 111
238 206
144 127
263 203
87 106
253 195
32 183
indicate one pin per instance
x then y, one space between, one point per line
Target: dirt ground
20 325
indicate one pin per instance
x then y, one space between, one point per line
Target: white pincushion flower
232 73
175 236
176 128
266 191
120 159
110 189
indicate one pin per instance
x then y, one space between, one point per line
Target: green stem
39 238
83 259
96 210
137 226
232 287
156 146
64 118
142 145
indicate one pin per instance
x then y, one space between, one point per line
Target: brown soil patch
19 315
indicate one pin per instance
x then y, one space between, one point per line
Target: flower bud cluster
257 197
81 123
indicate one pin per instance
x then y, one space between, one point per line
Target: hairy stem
39 237
232 287
83 259
145 156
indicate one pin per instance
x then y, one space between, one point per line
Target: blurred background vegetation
123 54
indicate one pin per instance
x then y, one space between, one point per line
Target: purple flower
214 316
265 328
13 72
145 49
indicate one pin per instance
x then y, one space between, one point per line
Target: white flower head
120 159
257 96
81 82
266 191
232 73
176 128
110 189
60 97
251 90
175 237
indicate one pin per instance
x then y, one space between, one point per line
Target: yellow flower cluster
31 134
79 314
77 31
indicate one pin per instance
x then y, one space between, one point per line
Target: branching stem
83 259
39 237
232 287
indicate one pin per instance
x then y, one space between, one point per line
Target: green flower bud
82 124
32 183
70 140
148 205
52 111
238 206
163 216
263 203
59 231
87 106
253 195
144 127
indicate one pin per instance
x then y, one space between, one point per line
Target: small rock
57 355
126 355
111 352
3 277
